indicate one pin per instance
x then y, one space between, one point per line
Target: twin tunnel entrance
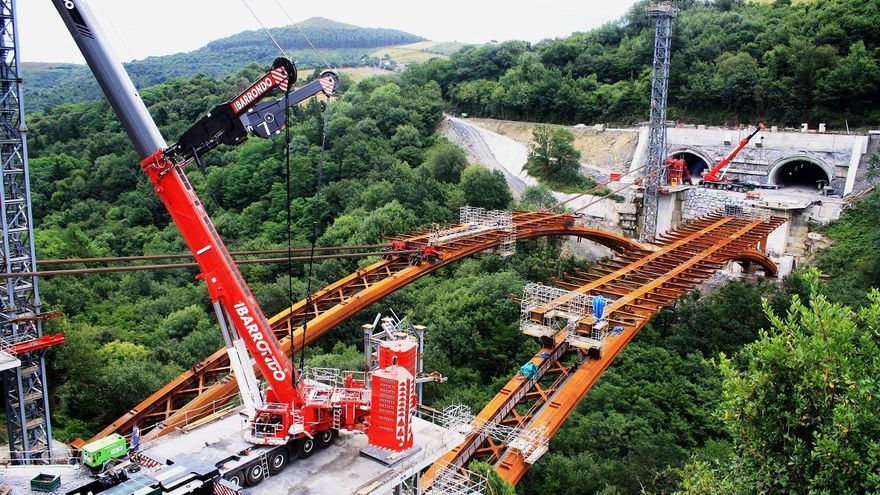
796 172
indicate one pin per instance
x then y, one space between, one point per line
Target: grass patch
358 74
418 52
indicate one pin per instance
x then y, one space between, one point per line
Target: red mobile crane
285 413
293 409
714 180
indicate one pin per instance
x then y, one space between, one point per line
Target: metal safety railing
453 480
546 310
532 442
746 212
334 377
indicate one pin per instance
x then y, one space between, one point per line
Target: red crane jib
712 175
225 283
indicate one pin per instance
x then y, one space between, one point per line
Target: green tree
855 81
801 405
737 75
445 162
536 197
552 155
485 188
497 485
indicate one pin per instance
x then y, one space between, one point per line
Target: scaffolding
452 480
663 12
394 328
474 221
26 400
545 310
531 443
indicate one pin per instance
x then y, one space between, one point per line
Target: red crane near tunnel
715 177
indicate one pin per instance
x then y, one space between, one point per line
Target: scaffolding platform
8 361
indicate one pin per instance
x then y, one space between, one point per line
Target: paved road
471 138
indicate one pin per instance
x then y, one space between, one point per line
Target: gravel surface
474 140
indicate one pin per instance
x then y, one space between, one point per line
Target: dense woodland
733 62
702 401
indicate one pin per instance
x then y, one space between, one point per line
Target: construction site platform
338 469
18 478
8 361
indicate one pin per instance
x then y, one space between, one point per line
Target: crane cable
597 187
287 140
274 41
615 191
316 205
320 56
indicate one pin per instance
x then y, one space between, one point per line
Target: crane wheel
277 461
254 474
237 478
325 438
306 448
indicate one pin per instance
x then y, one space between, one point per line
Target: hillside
733 62
344 45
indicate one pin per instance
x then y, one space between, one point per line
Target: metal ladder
337 417
264 463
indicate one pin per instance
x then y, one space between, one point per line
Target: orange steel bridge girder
199 391
721 239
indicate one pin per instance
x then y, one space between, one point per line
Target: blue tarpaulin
529 370
599 307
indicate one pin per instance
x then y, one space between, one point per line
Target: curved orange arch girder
755 256
207 394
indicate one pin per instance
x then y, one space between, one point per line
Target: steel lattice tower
26 401
663 12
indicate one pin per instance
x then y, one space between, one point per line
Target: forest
722 393
384 171
733 62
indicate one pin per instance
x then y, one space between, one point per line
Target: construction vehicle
104 451
678 173
714 178
294 415
292 409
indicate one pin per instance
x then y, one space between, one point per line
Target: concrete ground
18 478
338 469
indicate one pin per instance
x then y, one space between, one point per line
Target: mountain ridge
343 45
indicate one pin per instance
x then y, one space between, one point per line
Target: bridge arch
761 259
614 242
201 388
800 170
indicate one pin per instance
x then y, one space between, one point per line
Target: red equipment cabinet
391 400
400 352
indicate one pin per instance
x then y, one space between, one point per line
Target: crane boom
228 123
283 417
713 175
225 283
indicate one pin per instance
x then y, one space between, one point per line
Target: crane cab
274 423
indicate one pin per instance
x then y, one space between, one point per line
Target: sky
138 29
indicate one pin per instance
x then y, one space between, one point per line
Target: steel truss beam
25 398
663 13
